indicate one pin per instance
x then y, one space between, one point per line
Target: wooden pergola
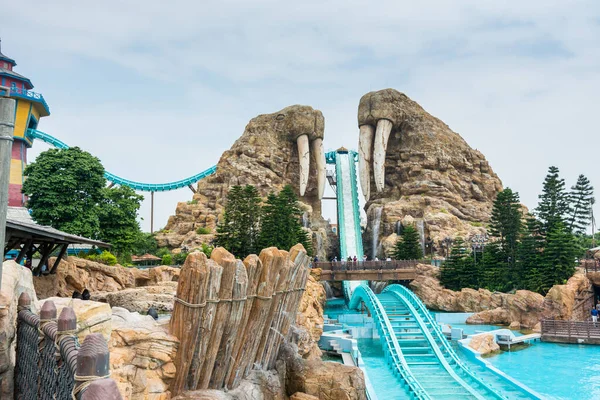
27 237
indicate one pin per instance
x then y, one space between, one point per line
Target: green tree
117 216
559 257
408 246
167 259
530 256
240 226
145 243
581 199
554 202
459 270
281 224
505 227
494 268
64 187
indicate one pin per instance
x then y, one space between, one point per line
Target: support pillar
151 212
7 125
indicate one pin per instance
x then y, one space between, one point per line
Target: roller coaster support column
151 212
7 124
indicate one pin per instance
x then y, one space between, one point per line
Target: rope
185 303
263 297
87 381
59 336
212 300
41 333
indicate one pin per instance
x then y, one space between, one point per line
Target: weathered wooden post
93 371
47 363
24 302
66 352
232 326
190 301
254 272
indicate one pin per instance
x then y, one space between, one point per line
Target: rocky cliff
275 150
523 309
415 170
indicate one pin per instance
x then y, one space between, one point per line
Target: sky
158 90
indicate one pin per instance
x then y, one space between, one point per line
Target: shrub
163 251
476 224
179 259
167 259
203 230
107 258
194 201
207 249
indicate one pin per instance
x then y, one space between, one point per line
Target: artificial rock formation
484 343
523 307
414 169
275 150
309 320
16 279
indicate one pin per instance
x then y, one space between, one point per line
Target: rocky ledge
523 309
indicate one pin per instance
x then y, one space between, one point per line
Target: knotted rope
86 381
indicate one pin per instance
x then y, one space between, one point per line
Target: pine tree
239 228
408 246
581 200
458 271
493 268
559 257
505 226
554 205
530 256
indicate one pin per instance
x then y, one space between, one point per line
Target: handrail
411 299
384 326
140 186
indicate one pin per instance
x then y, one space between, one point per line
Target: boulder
142 355
497 316
515 326
324 380
162 274
160 297
92 316
484 344
310 319
16 279
302 396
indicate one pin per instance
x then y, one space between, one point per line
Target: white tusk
365 148
319 154
304 159
384 128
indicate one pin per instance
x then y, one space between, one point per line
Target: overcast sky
158 90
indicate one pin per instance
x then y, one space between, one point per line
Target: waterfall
375 231
305 219
378 286
328 290
398 227
421 230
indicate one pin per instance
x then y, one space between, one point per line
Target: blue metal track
416 348
117 180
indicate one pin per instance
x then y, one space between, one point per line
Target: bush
207 249
179 259
107 258
192 202
163 251
167 259
203 230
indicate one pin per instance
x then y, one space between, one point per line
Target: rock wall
309 319
523 307
266 156
427 174
15 280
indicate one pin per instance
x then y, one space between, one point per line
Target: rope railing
50 364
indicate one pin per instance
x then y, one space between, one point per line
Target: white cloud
158 90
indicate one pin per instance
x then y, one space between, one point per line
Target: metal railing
571 329
50 364
366 265
28 95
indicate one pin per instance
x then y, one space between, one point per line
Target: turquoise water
386 385
557 371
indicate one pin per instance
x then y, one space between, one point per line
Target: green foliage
581 201
560 252
163 251
107 258
203 230
179 258
505 227
64 188
554 201
459 270
239 229
167 259
117 215
144 243
408 246
281 224
207 249
530 257
194 201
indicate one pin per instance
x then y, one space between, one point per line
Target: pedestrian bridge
397 270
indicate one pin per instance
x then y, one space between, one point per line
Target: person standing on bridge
594 316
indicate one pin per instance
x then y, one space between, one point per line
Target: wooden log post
232 326
190 301
215 272
24 302
93 367
297 283
223 309
272 261
67 328
272 322
254 269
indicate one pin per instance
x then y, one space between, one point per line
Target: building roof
20 224
13 74
5 58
